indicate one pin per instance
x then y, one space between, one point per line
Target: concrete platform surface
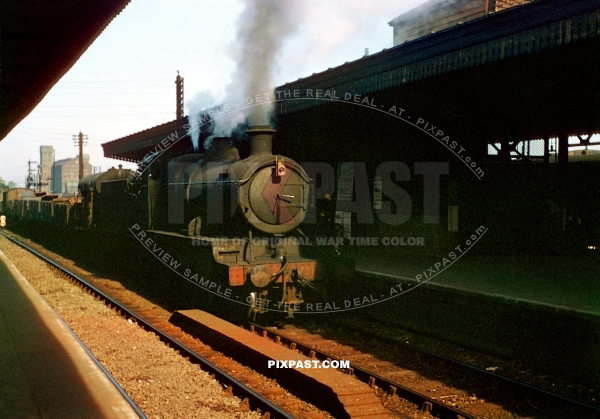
44 370
565 282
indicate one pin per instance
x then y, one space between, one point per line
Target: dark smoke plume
263 28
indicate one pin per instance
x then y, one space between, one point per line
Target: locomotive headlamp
279 167
260 276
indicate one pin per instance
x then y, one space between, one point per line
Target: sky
125 81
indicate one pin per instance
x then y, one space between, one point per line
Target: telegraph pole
80 140
31 175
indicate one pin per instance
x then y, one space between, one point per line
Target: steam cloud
264 31
263 28
201 100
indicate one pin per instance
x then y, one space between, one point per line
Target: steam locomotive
230 222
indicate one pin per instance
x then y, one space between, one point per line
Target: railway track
254 400
432 405
427 404
549 405
171 335
489 376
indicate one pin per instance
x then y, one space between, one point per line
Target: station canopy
40 41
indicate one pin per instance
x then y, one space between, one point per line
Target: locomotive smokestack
221 150
261 139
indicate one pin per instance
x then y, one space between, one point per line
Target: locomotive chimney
261 139
221 150
220 144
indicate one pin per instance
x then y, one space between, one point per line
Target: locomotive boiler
217 193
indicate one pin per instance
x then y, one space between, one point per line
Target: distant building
66 174
436 15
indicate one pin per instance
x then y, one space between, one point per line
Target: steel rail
434 407
255 401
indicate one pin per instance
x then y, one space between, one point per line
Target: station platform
44 371
568 283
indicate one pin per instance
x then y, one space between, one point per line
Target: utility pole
52 183
40 178
80 140
31 174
